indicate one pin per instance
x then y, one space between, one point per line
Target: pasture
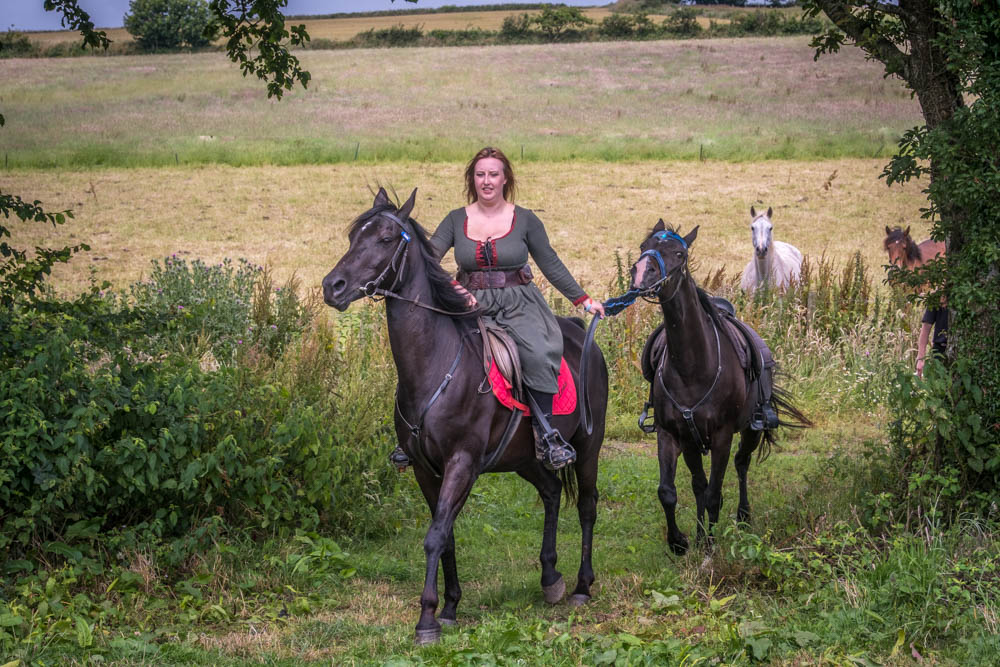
165 155
742 100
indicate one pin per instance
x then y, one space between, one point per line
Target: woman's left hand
593 306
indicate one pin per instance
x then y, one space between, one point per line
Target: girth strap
417 429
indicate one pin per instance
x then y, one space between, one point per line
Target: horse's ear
753 212
381 198
659 227
769 212
907 232
692 235
406 209
887 230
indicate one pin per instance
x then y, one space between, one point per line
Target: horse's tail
568 478
788 415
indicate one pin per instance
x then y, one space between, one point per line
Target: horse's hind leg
446 500
749 441
549 487
667 452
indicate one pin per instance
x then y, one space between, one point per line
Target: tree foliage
948 53
169 24
556 21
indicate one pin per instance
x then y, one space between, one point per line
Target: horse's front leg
549 487
749 441
667 451
721 447
699 483
447 499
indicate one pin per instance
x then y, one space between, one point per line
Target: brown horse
905 253
443 421
700 395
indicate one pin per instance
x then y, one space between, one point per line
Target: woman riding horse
492 239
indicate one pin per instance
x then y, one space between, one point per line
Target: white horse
775 264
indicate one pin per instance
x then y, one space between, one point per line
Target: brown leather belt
492 279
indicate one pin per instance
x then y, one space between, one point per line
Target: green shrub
627 26
15 44
516 27
395 36
683 22
169 24
109 416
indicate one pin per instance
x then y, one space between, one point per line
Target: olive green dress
521 309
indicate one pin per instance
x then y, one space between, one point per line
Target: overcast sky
29 15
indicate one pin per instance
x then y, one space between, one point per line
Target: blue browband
663 236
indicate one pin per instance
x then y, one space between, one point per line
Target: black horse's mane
897 234
442 290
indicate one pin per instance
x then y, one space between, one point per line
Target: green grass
730 99
800 584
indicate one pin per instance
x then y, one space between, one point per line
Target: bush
626 26
106 419
395 36
516 27
683 23
169 24
14 44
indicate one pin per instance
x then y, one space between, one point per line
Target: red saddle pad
563 404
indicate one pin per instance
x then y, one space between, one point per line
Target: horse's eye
680 254
386 239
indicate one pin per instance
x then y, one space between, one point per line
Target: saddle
500 349
753 353
502 365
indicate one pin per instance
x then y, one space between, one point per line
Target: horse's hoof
680 547
424 637
447 621
554 592
578 599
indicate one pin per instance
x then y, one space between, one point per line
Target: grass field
734 99
294 218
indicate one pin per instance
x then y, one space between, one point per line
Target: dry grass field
294 218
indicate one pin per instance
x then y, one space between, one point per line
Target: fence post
356 149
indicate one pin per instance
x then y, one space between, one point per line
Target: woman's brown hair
509 188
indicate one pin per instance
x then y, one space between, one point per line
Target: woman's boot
550 447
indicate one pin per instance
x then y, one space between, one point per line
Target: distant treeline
553 24
446 9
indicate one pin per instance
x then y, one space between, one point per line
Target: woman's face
490 179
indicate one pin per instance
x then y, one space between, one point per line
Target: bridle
654 289
373 288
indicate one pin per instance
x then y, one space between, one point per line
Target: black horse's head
378 243
663 260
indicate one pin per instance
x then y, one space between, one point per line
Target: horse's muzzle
336 294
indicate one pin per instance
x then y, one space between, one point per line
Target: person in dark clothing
935 319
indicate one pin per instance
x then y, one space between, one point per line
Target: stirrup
399 459
648 428
764 418
554 452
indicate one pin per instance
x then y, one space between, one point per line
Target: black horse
443 421
701 395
